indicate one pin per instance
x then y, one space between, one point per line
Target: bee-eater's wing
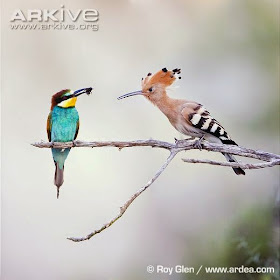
77 129
49 126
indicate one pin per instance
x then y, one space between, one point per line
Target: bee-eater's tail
58 177
237 170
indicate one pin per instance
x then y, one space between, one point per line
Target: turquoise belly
64 124
63 129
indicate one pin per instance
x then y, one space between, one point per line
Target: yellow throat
68 103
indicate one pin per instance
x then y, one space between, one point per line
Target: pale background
228 52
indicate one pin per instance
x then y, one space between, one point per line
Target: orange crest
163 77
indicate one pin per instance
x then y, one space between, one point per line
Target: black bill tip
82 91
89 90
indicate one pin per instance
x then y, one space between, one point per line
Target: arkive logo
54 15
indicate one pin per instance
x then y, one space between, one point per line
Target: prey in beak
81 91
69 96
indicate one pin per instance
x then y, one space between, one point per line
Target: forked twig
269 159
127 203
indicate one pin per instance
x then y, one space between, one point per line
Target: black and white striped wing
200 118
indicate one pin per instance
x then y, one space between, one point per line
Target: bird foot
52 144
74 143
198 143
176 140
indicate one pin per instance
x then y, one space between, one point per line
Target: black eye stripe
62 98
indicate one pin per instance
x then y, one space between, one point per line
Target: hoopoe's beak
131 94
81 91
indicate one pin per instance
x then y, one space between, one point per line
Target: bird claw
52 144
176 140
198 143
74 143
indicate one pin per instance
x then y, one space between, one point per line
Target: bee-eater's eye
150 89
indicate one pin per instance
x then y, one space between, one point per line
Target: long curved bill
139 92
81 91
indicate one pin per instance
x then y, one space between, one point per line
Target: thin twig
182 145
128 202
235 164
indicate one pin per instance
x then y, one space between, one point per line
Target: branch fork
268 160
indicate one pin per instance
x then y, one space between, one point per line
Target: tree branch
269 159
180 145
128 202
235 164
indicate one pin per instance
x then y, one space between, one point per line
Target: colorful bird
188 117
63 126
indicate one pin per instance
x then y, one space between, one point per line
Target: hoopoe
188 117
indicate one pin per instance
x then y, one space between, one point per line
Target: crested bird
188 117
63 126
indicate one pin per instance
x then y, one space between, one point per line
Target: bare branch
99 144
235 164
179 146
128 202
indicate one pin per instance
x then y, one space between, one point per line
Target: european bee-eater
188 117
63 126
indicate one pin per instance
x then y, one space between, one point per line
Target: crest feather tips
163 77
176 70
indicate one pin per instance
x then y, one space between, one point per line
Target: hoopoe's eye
150 89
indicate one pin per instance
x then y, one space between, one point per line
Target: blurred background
229 55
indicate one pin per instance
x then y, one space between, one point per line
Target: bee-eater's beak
81 91
139 92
